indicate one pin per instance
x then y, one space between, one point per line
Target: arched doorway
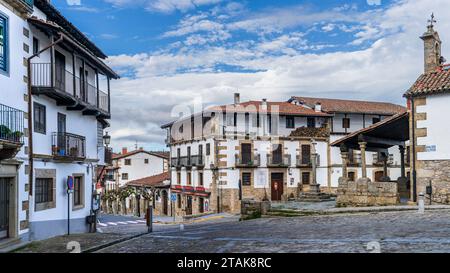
165 201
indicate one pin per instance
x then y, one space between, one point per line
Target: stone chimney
432 47
264 105
237 98
318 107
124 150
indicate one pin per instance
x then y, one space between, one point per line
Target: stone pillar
385 164
402 160
362 146
344 156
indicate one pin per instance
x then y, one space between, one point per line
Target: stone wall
251 208
364 193
436 172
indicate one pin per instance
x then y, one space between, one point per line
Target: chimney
432 47
264 105
124 150
237 98
318 107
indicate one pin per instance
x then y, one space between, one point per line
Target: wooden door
277 186
165 201
277 154
188 205
60 71
246 153
378 176
4 207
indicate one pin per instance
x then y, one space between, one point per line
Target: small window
375 120
246 179
39 118
346 123
311 123
208 149
146 161
128 162
290 122
44 190
3 43
78 191
125 176
306 178
35 45
200 179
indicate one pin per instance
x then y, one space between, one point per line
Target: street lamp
107 139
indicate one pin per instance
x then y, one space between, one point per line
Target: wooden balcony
279 161
69 90
68 147
11 131
248 161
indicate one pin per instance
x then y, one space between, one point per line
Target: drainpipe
414 174
30 113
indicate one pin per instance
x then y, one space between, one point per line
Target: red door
277 186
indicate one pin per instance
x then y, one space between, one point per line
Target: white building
59 109
134 165
262 150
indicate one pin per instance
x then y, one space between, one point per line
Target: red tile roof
431 83
164 155
282 108
353 106
151 181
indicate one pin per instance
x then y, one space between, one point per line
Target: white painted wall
138 168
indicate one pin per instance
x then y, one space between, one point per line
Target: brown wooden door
246 152
277 154
4 207
165 201
277 186
188 205
60 71
306 154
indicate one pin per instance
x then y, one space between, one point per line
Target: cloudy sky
174 54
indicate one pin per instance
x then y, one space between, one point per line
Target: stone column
362 146
385 164
344 156
402 160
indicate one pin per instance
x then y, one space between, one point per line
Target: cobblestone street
393 231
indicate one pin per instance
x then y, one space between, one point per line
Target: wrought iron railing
11 124
197 160
67 82
66 145
247 161
279 161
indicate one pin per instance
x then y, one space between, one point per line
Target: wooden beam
379 140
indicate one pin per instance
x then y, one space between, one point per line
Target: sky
177 56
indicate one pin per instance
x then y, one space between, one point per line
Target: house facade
428 101
263 150
55 106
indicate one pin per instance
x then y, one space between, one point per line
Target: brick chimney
432 47
124 150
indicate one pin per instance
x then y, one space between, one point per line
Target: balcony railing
303 161
68 146
197 160
283 161
11 124
70 84
247 162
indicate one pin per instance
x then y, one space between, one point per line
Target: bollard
421 203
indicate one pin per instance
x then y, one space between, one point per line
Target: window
290 122
306 154
78 191
39 118
306 178
35 45
44 190
146 161
311 122
125 176
346 123
189 178
375 120
179 178
208 149
246 179
200 179
128 162
3 43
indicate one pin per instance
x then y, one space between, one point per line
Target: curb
118 241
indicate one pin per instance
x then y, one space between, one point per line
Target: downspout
414 175
30 113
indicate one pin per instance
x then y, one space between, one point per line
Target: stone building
428 104
263 150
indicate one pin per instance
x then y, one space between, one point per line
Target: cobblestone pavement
391 231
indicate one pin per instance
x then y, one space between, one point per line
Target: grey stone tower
432 44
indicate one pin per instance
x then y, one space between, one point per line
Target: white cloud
382 71
164 6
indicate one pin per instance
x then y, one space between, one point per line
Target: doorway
60 71
201 205
4 206
378 176
165 200
277 186
188 205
